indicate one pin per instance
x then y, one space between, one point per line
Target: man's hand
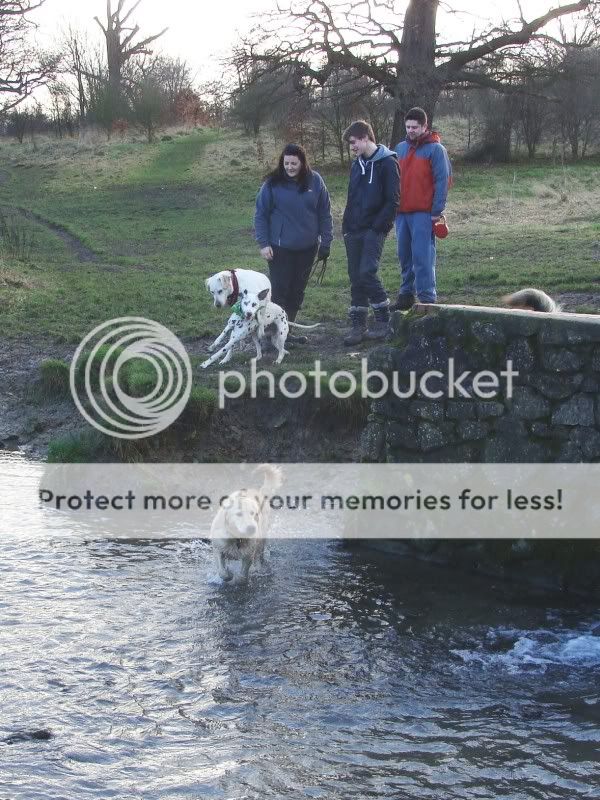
267 252
323 252
436 219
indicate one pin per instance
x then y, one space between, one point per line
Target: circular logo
109 355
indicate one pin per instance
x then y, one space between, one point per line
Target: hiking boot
378 329
404 302
358 320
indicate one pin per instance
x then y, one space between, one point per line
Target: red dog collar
233 297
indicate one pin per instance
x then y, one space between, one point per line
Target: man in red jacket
425 176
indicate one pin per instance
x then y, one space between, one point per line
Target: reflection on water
333 674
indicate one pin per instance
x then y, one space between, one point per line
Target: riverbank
246 429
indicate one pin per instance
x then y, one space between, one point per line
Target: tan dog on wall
238 530
531 300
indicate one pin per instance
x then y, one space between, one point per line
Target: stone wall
553 414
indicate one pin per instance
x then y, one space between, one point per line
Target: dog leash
318 273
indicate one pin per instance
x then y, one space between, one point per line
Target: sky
202 31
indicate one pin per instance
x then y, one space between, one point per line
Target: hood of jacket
428 137
381 153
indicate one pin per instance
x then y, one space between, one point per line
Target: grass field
138 227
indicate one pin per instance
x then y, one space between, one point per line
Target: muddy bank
247 429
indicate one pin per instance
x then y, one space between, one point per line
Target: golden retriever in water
531 300
238 531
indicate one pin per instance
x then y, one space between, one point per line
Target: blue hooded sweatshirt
289 218
373 193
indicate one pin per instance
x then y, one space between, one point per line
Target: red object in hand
440 228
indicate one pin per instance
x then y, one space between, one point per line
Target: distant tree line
517 84
516 88
117 85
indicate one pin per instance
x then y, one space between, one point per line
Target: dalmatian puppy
247 321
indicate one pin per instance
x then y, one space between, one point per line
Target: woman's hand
267 252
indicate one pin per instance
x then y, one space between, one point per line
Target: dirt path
81 251
571 301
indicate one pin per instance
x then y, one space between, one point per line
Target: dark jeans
364 252
289 271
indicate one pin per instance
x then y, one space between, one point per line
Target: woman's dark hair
279 175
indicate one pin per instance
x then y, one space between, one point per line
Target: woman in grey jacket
292 223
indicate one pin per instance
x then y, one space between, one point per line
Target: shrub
76 448
55 377
104 352
140 377
15 239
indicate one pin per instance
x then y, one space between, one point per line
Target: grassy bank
140 226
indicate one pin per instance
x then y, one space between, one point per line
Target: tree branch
522 36
17 8
130 12
139 47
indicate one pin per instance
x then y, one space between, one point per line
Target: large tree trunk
417 83
418 34
113 55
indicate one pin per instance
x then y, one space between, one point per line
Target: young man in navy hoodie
373 196
425 176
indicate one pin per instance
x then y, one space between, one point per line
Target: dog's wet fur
239 529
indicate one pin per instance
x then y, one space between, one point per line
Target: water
334 674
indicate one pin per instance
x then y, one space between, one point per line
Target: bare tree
531 108
22 68
190 109
149 105
378 108
401 52
176 78
256 99
120 44
337 104
578 91
214 97
61 108
78 63
18 121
